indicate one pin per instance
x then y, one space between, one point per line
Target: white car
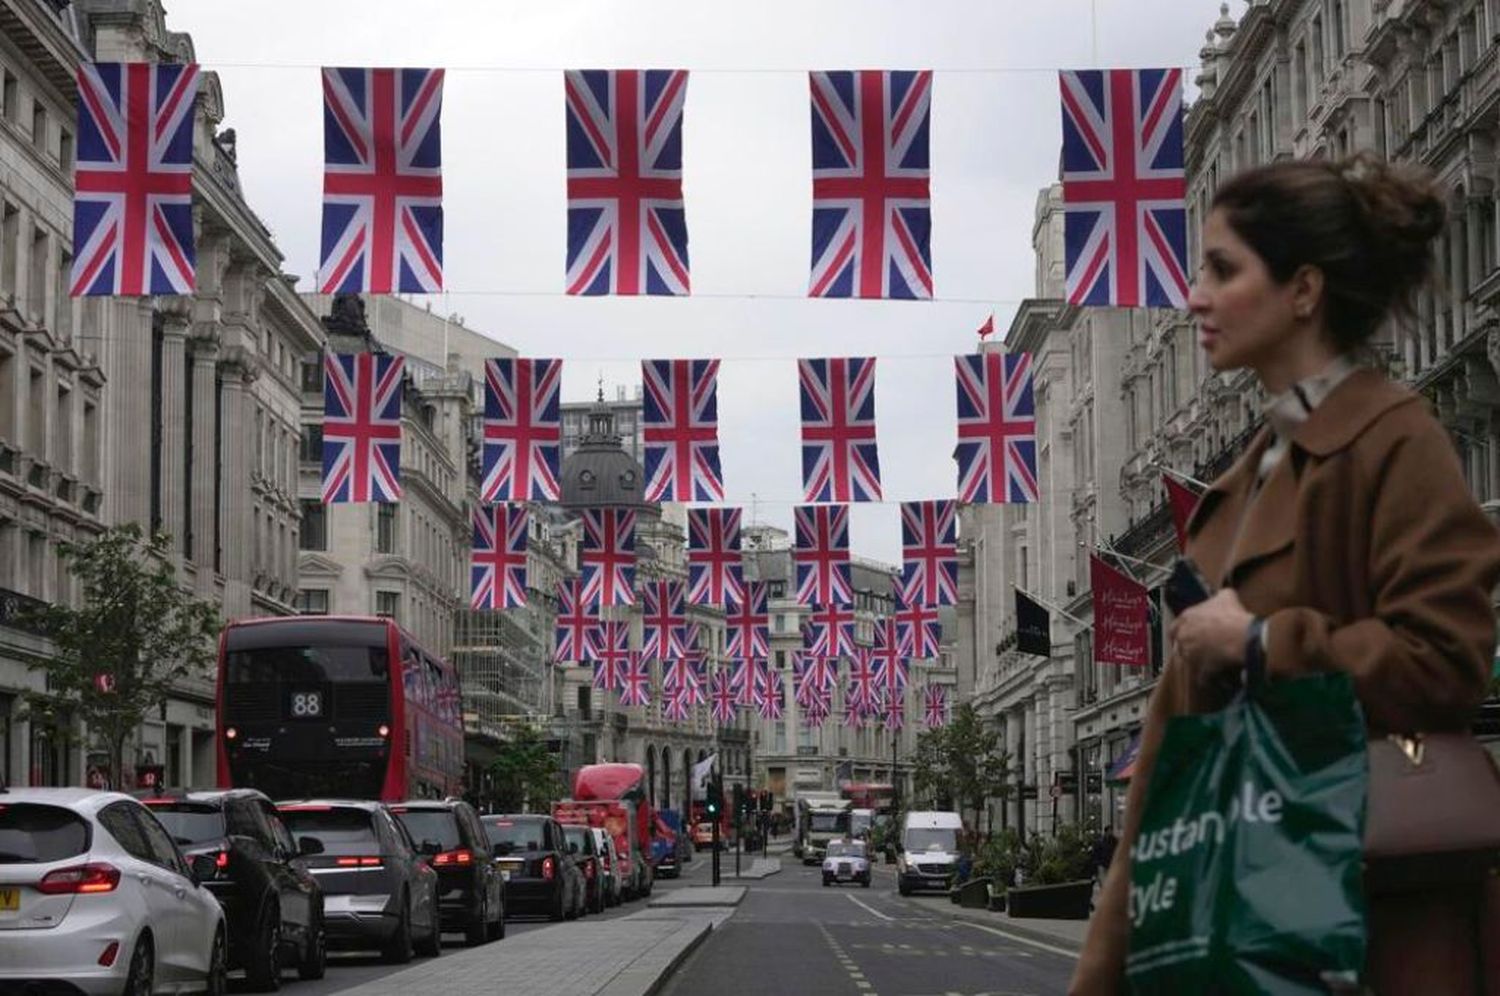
93 892
846 861
606 845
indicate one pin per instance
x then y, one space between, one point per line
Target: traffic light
715 801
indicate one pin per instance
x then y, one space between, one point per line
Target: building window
312 443
38 126
12 98
388 603
65 150
1317 50
1339 36
313 601
312 376
314 526
385 529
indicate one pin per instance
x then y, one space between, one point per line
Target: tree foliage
136 634
524 775
961 765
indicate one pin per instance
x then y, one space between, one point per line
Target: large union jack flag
929 547
919 631
715 576
747 625
576 624
721 697
382 181
1124 188
608 556
522 430
872 211
821 553
829 632
627 230
839 457
680 423
663 620
635 682
362 427
133 180
996 450
613 654
498 575
936 706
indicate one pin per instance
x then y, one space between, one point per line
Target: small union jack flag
895 712
680 423
627 230
816 711
1124 188
862 687
382 181
576 625
680 677
722 698
996 450
608 556
635 683
133 180
745 679
821 553
498 575
676 705
772 704
886 658
747 625
829 632
872 210
856 708
663 620
919 630
715 576
929 547
612 644
522 430
840 461
936 706
362 427
812 678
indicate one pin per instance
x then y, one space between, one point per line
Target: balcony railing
16 610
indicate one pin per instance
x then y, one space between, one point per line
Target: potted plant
1057 875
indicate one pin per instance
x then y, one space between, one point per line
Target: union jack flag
772 704
681 678
829 632
613 654
744 677
680 422
715 576
608 556
1124 188
627 230
522 430
816 711
919 630
895 712
887 659
861 691
996 450
133 180
821 553
663 620
747 625
676 705
722 698
362 427
498 574
929 546
872 211
576 625
812 678
839 457
856 708
635 682
382 181
936 706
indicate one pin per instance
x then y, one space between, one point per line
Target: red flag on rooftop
1183 500
988 328
1120 617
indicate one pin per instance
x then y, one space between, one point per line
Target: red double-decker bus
336 706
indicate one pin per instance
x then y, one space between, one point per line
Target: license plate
10 899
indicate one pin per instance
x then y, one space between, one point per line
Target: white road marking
868 908
1070 955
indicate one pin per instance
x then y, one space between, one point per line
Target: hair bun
1403 208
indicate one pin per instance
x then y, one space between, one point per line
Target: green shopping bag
1246 877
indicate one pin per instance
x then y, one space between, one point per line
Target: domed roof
600 472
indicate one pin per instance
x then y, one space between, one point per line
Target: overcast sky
747 183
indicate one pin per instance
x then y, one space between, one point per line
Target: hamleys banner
1120 632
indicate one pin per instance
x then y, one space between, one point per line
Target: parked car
846 861
273 905
471 895
585 851
532 855
95 898
377 891
609 869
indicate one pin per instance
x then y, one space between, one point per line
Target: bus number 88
307 705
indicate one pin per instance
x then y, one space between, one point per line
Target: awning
1123 766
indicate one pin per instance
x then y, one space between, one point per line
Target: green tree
524 773
135 636
961 765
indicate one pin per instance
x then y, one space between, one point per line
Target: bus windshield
828 822
290 665
932 839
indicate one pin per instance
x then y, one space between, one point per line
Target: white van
929 851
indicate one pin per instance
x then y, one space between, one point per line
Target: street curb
689 948
628 981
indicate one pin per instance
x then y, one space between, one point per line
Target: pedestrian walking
1344 538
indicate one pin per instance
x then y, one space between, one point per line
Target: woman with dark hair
1345 538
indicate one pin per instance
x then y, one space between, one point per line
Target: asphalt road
792 935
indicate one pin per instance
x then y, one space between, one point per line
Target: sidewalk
753 868
629 956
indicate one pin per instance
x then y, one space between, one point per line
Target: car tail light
549 868
80 880
108 955
361 862
462 856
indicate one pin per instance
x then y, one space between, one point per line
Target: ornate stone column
176 320
202 459
236 371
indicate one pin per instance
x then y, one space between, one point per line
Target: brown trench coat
1365 553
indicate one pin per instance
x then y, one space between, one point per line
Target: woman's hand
1210 636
